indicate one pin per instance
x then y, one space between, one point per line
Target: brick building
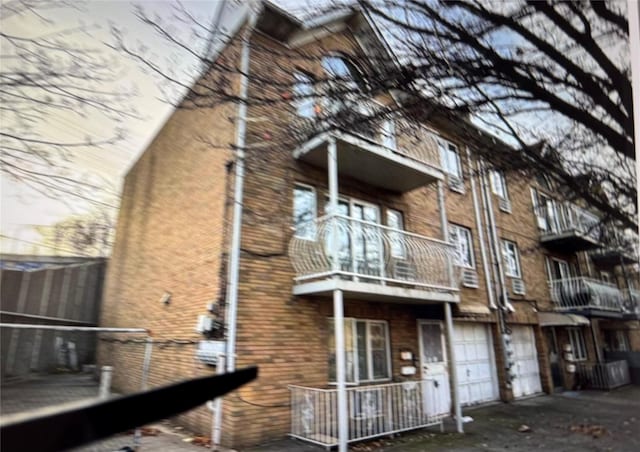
386 239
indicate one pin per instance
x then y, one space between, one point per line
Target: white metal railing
372 411
603 375
372 253
585 293
556 218
631 300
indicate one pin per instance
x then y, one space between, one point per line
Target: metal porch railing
603 375
372 253
372 411
584 293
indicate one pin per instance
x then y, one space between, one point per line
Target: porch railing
372 253
556 218
585 293
603 375
372 411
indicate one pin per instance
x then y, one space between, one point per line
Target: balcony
584 294
372 262
373 411
386 153
566 227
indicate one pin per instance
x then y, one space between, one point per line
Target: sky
23 208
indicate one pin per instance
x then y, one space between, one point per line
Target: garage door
525 357
475 364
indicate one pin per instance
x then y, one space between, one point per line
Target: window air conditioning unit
405 271
456 184
518 286
469 278
505 205
208 351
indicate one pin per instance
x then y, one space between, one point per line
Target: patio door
359 243
433 366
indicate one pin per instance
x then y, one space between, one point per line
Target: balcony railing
631 301
564 220
603 375
372 411
570 294
371 253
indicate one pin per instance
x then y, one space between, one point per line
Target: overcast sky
22 207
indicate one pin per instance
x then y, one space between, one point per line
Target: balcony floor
359 290
570 242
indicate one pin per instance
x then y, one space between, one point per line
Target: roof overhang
557 319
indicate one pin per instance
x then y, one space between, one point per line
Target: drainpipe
483 251
234 260
447 316
488 206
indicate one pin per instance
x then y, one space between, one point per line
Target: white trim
400 294
469 235
576 337
356 351
518 274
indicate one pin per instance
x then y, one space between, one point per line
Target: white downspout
234 259
483 251
494 236
457 409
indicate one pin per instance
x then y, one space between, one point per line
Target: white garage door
525 357
475 364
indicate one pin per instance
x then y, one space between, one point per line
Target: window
388 132
499 184
461 238
511 259
396 221
576 338
546 211
304 212
303 95
450 159
343 72
557 269
616 340
366 349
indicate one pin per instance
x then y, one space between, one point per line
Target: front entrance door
433 365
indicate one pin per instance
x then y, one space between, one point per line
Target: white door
433 365
475 363
525 358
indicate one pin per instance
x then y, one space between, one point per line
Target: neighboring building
48 290
394 226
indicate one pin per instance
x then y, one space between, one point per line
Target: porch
586 294
372 262
372 411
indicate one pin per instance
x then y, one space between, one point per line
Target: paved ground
571 421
